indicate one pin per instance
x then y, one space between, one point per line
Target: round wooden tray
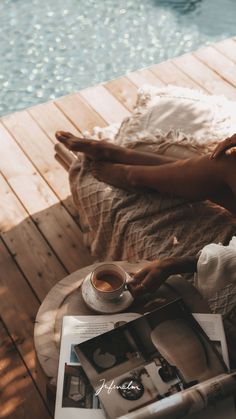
65 298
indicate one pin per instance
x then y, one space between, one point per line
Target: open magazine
137 367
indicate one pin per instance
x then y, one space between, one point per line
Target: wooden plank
144 76
227 48
67 239
218 62
39 150
49 117
22 176
30 250
170 74
124 90
66 158
104 104
79 112
18 309
19 396
41 203
207 78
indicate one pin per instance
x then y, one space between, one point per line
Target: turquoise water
50 48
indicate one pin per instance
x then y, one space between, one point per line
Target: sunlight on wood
9 407
9 376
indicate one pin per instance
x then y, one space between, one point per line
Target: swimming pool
50 48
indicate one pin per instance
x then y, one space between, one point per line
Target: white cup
108 281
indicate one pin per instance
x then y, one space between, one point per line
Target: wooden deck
41 240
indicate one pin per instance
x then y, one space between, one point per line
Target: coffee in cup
108 281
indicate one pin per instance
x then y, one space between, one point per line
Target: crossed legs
106 151
197 178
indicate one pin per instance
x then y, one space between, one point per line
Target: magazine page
75 395
149 359
212 324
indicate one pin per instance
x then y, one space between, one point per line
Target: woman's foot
113 174
120 175
98 150
74 143
105 150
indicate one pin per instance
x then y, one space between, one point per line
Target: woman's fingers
147 280
140 275
227 144
134 285
231 150
153 280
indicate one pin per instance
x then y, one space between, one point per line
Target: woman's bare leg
194 179
104 150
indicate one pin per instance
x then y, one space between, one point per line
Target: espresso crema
107 281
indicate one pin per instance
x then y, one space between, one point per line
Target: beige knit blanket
125 226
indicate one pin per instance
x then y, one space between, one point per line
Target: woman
211 177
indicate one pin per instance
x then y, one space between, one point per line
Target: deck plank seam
19 268
26 367
130 82
225 55
27 155
154 74
30 318
32 218
201 85
191 78
42 128
118 99
60 200
71 120
166 83
214 69
39 173
138 85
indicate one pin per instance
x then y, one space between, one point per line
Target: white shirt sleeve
216 268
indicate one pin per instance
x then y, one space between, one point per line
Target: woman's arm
227 146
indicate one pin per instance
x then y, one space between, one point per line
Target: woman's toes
64 137
63 134
69 140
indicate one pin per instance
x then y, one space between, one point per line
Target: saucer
99 305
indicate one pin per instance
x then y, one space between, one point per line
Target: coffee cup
108 281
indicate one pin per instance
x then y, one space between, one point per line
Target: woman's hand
228 146
150 278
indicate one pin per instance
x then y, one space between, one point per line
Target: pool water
50 48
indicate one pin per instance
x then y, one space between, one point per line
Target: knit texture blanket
119 225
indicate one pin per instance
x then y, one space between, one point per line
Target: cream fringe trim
130 132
